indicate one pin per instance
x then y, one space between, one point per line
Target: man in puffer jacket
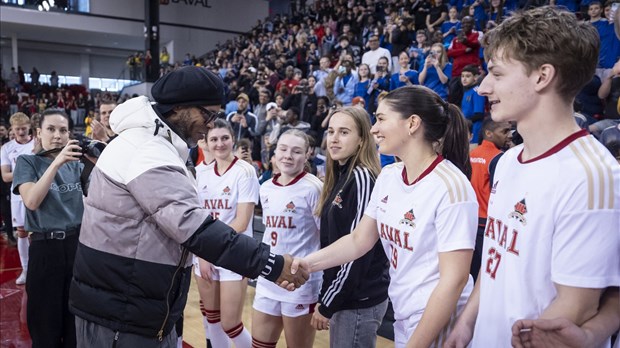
142 218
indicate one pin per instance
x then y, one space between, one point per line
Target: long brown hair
366 157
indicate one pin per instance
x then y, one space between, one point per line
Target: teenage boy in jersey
551 241
472 103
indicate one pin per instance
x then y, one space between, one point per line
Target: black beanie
189 85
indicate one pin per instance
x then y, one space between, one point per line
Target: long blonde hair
366 156
443 58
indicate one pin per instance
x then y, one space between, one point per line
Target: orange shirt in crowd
480 158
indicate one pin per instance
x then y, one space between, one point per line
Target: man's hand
294 273
99 132
319 322
544 333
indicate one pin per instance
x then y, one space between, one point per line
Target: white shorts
219 274
403 329
18 213
281 309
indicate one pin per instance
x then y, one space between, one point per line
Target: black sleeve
492 166
219 244
338 286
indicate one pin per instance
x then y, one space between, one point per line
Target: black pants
476 259
50 269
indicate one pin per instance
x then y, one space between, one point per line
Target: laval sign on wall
203 3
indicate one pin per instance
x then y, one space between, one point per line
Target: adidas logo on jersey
300 307
226 191
385 199
494 188
290 207
519 212
408 219
337 201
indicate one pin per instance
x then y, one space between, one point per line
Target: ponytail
455 144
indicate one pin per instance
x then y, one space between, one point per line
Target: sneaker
21 280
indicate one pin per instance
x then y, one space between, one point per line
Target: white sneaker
21 280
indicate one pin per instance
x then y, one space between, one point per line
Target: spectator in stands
344 85
463 50
14 80
375 52
437 15
288 120
286 85
419 50
450 27
400 38
34 76
436 72
363 88
54 79
496 137
472 104
304 99
320 75
405 76
608 54
243 121
102 130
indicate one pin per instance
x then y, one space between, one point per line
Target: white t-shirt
552 219
292 227
438 213
10 151
220 193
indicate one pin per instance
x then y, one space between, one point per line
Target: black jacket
364 282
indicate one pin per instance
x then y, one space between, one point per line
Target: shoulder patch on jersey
226 191
385 199
408 219
519 212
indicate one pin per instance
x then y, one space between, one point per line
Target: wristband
273 268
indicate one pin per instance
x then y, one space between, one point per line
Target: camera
89 146
379 69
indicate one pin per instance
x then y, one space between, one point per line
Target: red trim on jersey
562 144
424 173
296 179
230 166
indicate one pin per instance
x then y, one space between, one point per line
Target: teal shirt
63 206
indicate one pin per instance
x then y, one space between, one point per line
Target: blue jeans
356 328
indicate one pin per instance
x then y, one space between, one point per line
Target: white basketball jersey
291 227
552 219
221 192
10 151
438 213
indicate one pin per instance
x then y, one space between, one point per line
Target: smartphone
614 10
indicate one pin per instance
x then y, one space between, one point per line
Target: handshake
295 273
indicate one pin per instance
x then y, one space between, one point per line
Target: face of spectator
289 72
104 113
594 11
220 143
467 24
21 132
324 62
453 13
263 98
242 104
290 117
344 43
54 132
291 154
279 100
403 60
363 70
297 75
501 136
467 79
311 82
383 64
3 131
373 43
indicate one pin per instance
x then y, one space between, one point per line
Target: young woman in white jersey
353 297
423 210
229 189
289 202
